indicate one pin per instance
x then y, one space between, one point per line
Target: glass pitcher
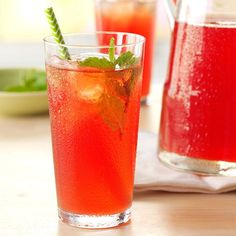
198 120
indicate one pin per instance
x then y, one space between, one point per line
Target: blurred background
23 26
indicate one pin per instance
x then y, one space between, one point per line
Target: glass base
197 166
94 221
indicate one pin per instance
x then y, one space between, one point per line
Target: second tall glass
134 16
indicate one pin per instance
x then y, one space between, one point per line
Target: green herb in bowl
29 81
22 91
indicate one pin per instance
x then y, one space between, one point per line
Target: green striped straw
56 32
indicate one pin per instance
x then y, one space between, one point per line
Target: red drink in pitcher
199 101
132 16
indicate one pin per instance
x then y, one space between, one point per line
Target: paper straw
56 32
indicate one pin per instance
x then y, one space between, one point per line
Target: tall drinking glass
135 16
94 100
198 122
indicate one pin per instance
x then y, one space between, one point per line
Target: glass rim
48 40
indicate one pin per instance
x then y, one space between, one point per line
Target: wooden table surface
28 200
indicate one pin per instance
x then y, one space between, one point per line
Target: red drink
199 100
94 100
94 120
132 16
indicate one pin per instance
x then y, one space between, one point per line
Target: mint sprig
111 50
125 59
101 63
113 112
114 101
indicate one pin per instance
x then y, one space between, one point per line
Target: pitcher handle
171 11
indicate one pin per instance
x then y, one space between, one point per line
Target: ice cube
88 86
91 93
61 63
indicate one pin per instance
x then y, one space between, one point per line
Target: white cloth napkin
151 174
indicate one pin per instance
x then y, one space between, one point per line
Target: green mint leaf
115 84
111 50
134 76
100 63
113 112
126 59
